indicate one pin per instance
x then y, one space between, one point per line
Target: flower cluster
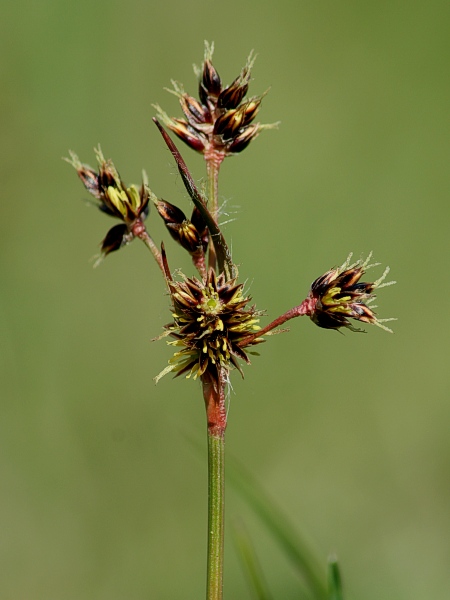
220 123
191 234
214 323
211 321
339 295
129 204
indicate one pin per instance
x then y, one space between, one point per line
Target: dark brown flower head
339 295
211 318
129 204
116 237
200 225
189 234
218 123
210 85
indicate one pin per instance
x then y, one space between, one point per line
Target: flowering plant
214 324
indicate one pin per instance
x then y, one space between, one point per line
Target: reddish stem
214 396
305 308
198 258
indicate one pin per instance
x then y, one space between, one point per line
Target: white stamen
346 264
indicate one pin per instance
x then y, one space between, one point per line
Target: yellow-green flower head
211 318
115 199
339 295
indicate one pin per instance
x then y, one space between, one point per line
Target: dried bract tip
219 123
339 295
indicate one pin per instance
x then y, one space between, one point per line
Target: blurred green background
102 494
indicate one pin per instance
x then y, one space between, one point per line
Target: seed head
188 233
219 123
129 204
339 295
211 318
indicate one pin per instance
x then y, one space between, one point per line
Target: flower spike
211 320
339 295
115 199
220 123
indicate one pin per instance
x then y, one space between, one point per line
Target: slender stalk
212 168
298 311
216 463
214 395
213 162
144 236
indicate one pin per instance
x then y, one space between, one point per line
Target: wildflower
211 319
128 204
220 123
339 295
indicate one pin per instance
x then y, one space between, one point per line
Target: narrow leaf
250 562
281 528
334 580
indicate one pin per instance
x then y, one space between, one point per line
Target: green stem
216 415
212 169
216 497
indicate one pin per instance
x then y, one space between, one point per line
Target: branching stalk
213 323
298 311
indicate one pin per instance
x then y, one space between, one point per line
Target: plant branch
141 232
298 311
223 254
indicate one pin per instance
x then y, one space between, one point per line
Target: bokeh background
103 494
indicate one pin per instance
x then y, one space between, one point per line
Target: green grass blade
334 580
250 563
281 528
